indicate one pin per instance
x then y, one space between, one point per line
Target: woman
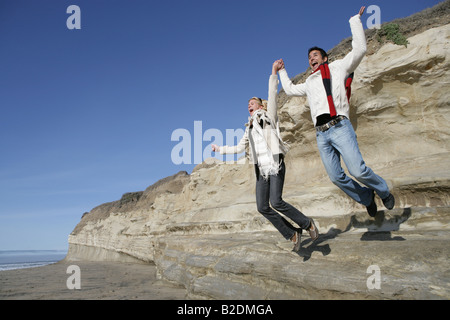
267 151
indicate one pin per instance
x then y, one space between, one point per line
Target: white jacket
313 87
265 142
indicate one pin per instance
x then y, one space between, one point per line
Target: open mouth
314 64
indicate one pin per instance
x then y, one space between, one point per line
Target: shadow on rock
378 229
306 252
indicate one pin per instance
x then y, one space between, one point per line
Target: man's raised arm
289 88
359 45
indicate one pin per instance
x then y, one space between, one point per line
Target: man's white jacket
313 87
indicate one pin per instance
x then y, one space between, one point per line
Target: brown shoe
313 231
296 239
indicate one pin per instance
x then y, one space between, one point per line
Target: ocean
21 259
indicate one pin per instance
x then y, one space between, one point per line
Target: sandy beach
98 280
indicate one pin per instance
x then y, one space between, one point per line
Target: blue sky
88 114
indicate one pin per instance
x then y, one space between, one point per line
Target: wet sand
98 280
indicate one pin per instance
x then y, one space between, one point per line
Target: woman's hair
261 102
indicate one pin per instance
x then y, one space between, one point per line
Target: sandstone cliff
203 231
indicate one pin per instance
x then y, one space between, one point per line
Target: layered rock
202 230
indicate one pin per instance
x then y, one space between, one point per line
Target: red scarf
326 78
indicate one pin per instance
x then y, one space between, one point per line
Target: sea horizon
22 259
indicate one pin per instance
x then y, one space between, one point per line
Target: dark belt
328 125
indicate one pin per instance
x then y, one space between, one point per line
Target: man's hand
361 11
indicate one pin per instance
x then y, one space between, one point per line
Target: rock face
202 230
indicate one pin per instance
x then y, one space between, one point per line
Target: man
325 89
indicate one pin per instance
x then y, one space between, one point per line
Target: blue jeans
340 140
272 190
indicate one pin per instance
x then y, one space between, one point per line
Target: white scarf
260 149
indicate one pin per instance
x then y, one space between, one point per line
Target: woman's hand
215 148
277 66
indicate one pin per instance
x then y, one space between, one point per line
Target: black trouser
272 189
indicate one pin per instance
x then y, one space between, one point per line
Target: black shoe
372 207
389 201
